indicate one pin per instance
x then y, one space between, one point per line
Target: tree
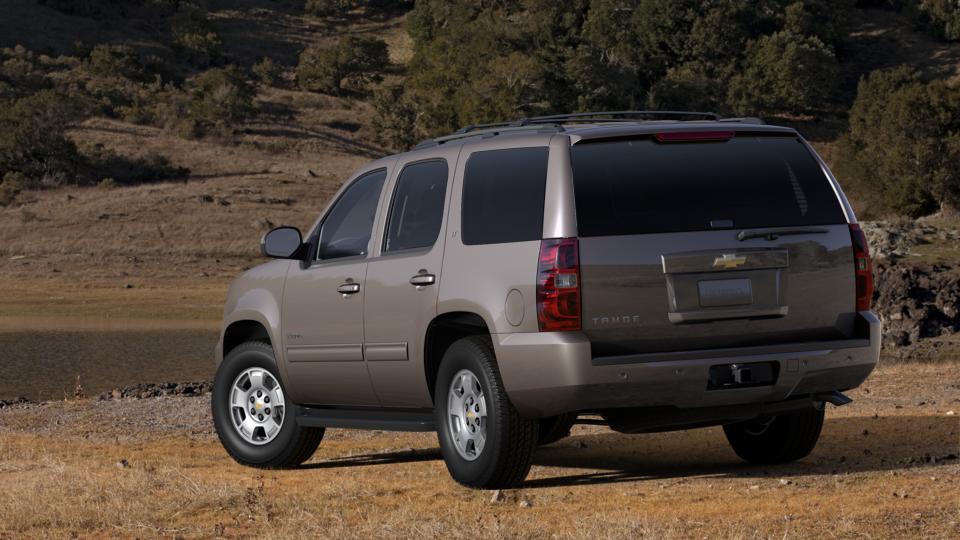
903 145
324 69
784 72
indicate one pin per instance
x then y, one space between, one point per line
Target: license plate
725 292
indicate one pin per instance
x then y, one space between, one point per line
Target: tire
504 457
785 438
554 428
286 447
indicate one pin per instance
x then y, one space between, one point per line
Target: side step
385 419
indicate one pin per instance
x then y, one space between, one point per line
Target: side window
503 193
417 208
346 229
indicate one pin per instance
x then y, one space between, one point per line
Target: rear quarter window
640 186
503 192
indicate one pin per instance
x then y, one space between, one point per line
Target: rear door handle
423 279
349 288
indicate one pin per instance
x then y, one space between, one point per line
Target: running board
387 420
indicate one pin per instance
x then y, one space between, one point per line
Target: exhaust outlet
835 397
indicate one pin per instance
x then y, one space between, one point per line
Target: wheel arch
442 332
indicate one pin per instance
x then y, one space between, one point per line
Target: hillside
116 249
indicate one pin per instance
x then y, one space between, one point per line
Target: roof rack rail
556 122
744 120
489 130
617 116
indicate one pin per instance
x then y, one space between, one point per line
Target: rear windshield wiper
773 235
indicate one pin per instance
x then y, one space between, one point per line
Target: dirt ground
886 467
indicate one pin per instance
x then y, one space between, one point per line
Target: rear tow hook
835 397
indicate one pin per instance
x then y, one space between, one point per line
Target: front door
323 303
403 281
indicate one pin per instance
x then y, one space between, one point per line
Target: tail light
863 267
558 285
693 136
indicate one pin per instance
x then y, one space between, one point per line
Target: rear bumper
550 373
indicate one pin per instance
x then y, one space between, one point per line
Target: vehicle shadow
849 444
386 458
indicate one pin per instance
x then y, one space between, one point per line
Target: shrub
213 103
195 37
33 141
12 183
784 72
686 87
324 69
107 60
823 19
108 169
267 71
903 145
944 18
325 8
396 119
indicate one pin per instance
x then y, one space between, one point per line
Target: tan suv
657 270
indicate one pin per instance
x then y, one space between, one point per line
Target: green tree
33 141
324 69
220 99
902 149
784 72
944 18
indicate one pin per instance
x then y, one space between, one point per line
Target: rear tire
249 367
787 437
555 428
484 441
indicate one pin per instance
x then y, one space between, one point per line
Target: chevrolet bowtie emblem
728 261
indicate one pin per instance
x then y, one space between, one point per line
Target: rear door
403 281
692 244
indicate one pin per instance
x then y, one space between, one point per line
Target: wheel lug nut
267 410
253 411
252 399
259 393
260 417
476 408
266 399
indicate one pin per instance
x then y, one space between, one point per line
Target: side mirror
282 243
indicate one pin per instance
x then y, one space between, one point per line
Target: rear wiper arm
773 235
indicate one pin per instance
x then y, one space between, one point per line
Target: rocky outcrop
916 302
149 390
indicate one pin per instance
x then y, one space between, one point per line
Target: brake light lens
693 136
863 267
558 285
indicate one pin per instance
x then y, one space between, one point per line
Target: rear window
503 193
640 186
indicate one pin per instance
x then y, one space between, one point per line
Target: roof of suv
606 124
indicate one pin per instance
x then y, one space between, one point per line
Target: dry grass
872 476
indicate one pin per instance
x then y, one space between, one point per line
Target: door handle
423 279
349 288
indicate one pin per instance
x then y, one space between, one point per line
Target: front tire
484 441
255 421
784 438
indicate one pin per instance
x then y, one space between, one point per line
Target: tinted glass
503 194
346 229
640 186
417 208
